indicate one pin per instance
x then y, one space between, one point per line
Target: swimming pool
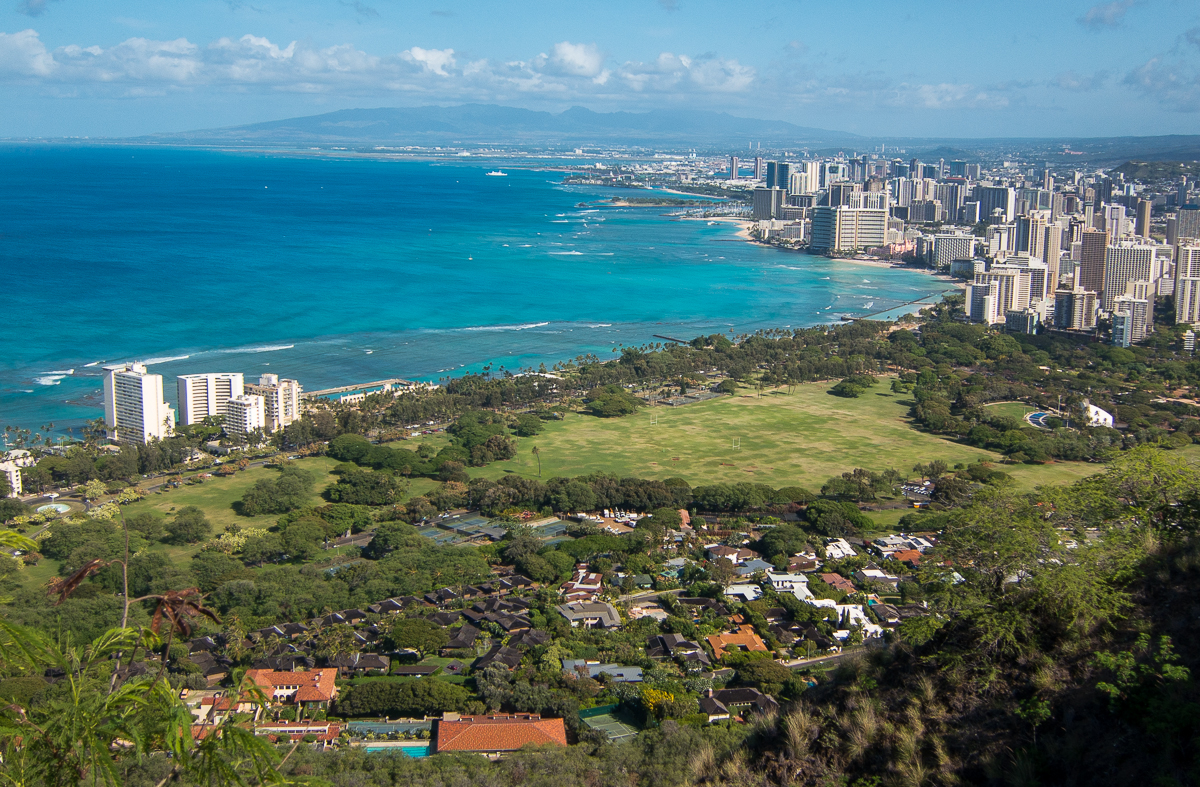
415 750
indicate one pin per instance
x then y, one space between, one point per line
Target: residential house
353 664
496 735
445 619
415 670
325 733
499 654
581 668
309 689
735 555
744 639
701 603
679 648
584 585
722 703
747 590
909 557
753 566
796 584
462 638
594 615
838 582
839 549
873 573
529 638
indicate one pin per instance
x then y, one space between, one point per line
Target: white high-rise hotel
204 395
281 400
134 407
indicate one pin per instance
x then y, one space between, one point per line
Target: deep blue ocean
337 271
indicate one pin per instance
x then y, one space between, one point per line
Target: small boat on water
497 173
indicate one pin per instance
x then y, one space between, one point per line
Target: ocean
338 271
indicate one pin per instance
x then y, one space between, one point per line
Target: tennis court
611 726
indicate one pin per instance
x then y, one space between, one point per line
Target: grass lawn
217 495
1011 409
801 438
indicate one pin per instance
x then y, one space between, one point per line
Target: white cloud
671 72
1173 83
432 60
1106 14
24 54
142 66
583 60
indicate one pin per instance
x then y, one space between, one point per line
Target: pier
382 385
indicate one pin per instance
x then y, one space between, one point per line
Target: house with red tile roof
324 732
496 735
744 639
310 688
838 582
910 556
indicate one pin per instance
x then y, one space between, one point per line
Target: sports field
1011 409
782 439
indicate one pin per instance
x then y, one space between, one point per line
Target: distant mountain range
494 125
483 124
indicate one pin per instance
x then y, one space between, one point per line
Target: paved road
820 659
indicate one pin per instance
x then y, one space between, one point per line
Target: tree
423 636
527 425
388 536
538 455
425 697
368 488
94 489
189 526
289 491
92 726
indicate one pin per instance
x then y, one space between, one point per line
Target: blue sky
965 68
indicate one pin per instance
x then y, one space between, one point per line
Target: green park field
800 438
1011 409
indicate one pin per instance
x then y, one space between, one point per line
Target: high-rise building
1187 222
135 410
993 198
1115 221
996 292
767 203
1092 250
1189 341
778 173
733 167
243 415
204 395
839 193
1031 234
1075 309
281 400
844 229
1051 255
1142 226
760 168
1187 284
950 247
1133 314
1124 262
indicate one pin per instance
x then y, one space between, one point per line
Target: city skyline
932 70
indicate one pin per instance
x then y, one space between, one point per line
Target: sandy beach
743 225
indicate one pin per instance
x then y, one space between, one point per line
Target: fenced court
605 719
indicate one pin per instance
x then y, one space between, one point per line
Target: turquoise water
416 752
342 271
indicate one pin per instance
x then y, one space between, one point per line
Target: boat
498 173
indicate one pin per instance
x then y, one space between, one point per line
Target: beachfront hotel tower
135 410
202 395
281 400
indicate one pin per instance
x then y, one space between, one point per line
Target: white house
839 549
796 584
748 591
1098 417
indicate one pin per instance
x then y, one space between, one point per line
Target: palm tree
537 453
